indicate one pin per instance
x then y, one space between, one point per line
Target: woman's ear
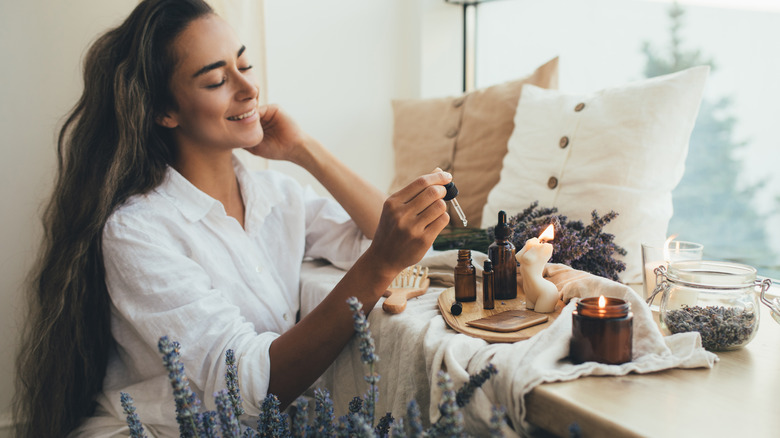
166 121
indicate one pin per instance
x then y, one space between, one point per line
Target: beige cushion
465 135
625 151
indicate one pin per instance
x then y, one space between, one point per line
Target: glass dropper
452 192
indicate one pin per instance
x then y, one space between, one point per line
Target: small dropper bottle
465 277
452 192
488 296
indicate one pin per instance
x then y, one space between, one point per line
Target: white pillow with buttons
620 149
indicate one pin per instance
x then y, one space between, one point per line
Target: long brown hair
109 149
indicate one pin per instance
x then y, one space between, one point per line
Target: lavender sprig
343 427
367 356
382 428
397 429
209 424
360 427
450 423
231 381
227 417
355 405
413 417
136 428
272 423
249 433
323 412
371 396
186 401
497 421
475 381
367 349
300 417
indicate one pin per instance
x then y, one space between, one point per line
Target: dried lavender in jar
721 328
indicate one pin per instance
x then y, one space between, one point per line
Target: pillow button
579 107
458 102
452 133
564 142
552 182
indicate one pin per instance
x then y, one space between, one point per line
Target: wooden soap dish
473 311
411 282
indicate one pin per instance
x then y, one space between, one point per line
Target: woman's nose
247 88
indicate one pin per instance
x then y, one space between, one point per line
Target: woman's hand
410 221
282 137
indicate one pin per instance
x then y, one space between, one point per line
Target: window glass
729 198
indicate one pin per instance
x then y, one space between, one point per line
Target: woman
154 228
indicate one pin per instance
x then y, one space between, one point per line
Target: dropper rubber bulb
452 192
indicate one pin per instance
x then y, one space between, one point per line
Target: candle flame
602 302
548 233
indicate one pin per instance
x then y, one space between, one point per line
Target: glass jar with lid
717 299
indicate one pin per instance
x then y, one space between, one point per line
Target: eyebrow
217 64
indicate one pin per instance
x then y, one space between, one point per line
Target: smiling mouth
243 116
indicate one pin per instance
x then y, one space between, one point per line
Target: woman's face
214 89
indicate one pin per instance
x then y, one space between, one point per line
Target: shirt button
579 107
285 317
564 142
259 269
452 133
552 182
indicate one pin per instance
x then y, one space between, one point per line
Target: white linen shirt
177 265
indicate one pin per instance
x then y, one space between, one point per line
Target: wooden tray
473 310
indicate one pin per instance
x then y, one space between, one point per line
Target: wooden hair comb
411 282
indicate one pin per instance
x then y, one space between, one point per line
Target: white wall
41 44
334 66
337 67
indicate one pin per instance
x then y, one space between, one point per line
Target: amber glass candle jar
601 331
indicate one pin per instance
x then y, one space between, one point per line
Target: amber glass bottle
465 277
502 254
488 295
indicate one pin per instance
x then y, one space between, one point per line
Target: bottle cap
502 230
456 309
488 266
452 191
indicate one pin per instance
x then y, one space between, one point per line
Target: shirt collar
194 204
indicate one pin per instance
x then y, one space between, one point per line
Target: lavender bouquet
359 422
584 247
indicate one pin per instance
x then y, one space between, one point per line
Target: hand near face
411 219
282 137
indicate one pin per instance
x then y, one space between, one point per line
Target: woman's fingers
421 183
411 219
434 211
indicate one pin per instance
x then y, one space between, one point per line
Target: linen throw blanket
414 345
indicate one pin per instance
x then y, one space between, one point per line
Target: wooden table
739 397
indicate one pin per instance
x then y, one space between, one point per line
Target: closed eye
212 86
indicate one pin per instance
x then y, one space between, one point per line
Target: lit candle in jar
601 331
541 295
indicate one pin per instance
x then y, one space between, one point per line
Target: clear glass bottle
717 299
502 253
465 277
